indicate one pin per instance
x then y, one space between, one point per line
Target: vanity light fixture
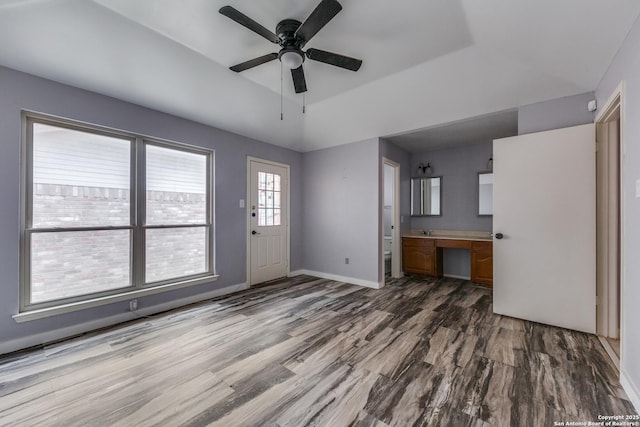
490 164
426 170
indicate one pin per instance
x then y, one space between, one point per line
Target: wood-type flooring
305 351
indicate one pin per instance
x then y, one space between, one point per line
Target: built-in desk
422 252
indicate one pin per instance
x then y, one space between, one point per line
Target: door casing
395 219
607 308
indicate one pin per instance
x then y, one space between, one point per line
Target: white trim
109 299
605 111
617 97
395 219
338 278
631 389
247 211
70 331
612 354
456 276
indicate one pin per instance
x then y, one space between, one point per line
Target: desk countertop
483 236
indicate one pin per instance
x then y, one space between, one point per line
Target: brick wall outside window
62 264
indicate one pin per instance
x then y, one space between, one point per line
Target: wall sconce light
490 164
426 170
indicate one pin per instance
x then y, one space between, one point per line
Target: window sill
96 302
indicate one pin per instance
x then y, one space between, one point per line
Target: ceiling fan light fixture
291 59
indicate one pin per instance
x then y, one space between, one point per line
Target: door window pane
176 186
175 252
67 264
80 179
269 198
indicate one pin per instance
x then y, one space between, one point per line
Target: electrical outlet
346 260
637 188
133 305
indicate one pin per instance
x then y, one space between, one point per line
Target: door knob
499 236
254 232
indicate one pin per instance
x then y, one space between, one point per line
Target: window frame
137 227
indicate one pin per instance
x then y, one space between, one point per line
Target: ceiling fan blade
245 21
299 81
334 59
321 15
254 62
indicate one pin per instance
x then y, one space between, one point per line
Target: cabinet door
482 263
419 256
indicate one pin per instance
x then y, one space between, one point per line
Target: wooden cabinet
482 262
424 256
419 256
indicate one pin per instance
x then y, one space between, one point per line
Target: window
269 194
106 213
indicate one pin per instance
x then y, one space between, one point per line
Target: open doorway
391 220
609 278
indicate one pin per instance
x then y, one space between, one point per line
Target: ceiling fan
292 35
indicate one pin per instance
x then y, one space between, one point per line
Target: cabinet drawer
482 246
452 243
419 241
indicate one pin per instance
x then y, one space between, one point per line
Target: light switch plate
242 203
637 188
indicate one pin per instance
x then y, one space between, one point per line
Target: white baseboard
631 389
337 278
296 273
69 331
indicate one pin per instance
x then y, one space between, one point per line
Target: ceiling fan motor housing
286 30
290 55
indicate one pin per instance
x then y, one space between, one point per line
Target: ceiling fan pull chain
281 85
304 103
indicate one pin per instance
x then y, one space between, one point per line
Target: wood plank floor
306 351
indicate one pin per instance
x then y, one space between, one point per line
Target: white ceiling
425 62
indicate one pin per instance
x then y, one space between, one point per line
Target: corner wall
626 67
341 212
555 114
20 91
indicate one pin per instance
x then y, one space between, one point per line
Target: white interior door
544 206
268 220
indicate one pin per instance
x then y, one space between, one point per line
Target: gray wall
21 91
555 114
626 66
341 210
459 167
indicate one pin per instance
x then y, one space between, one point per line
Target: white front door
268 220
544 205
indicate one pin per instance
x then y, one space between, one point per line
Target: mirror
485 193
426 196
